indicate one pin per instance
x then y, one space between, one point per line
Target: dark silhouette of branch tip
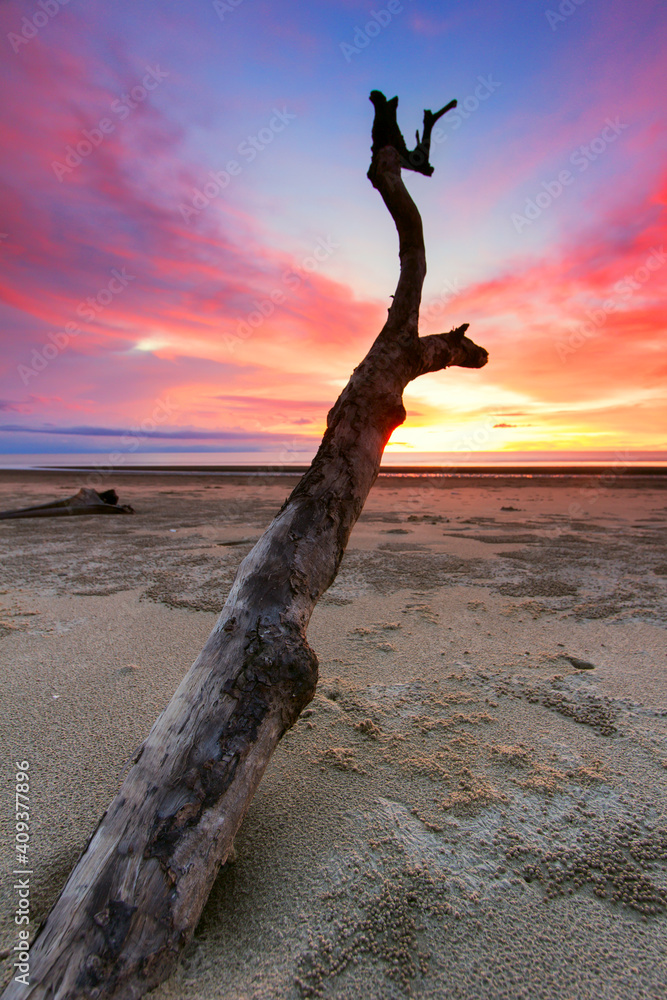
387 133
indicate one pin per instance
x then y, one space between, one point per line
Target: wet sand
475 803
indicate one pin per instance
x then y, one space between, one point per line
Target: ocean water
394 462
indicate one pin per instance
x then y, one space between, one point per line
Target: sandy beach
475 803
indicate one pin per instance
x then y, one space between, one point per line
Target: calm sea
412 464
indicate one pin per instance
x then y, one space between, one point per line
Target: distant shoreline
522 469
610 475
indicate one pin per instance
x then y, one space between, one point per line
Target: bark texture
133 900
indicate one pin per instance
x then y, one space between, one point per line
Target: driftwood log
134 898
86 501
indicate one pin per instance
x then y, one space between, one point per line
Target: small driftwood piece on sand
134 898
86 501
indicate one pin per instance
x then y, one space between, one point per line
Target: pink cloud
583 326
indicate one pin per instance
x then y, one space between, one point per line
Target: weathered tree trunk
86 501
135 896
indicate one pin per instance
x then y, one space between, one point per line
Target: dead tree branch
134 898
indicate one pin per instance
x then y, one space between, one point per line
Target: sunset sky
192 257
